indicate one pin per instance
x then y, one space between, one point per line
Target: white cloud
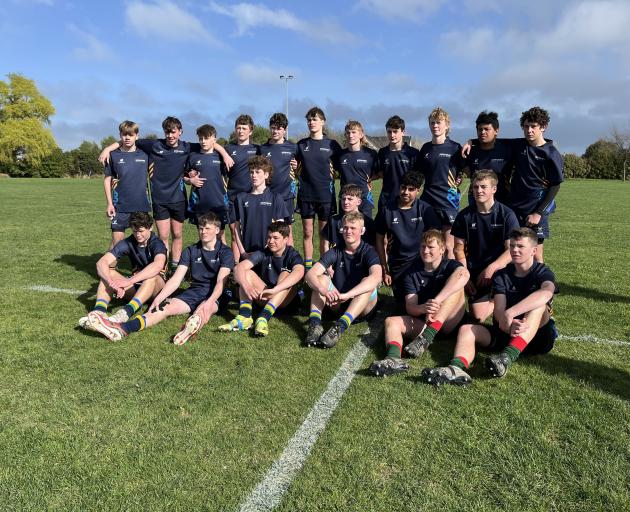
474 44
93 49
414 10
166 20
256 73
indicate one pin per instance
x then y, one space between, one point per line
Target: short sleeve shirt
204 265
441 164
393 165
255 212
129 172
333 233
317 159
239 179
269 267
506 282
140 257
281 156
212 196
350 269
426 284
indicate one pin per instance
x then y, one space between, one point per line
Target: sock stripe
347 319
270 307
245 304
395 342
518 343
315 313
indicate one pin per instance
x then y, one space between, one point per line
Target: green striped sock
101 305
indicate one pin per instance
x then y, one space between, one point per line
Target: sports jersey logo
234 153
198 260
473 225
341 265
251 151
359 161
198 162
426 156
213 260
476 161
345 161
160 151
121 161
269 266
178 151
283 153
404 161
416 219
246 205
496 225
269 154
386 161
497 160
444 155
324 149
422 282
216 162
140 160
395 220
306 148
265 203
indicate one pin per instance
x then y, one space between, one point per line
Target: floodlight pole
286 79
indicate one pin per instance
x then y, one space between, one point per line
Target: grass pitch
142 425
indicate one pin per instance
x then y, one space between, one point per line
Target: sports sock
514 349
245 309
137 323
315 317
431 330
345 321
268 311
460 362
132 306
308 264
394 349
101 305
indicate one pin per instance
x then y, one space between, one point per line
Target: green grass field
142 425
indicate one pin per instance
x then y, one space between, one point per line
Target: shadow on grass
610 380
589 293
83 263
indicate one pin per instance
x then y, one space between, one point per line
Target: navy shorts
175 211
194 296
446 216
541 344
483 294
290 208
120 221
310 209
541 229
222 213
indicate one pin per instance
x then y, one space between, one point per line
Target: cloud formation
92 49
408 10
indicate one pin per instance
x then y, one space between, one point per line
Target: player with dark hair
316 156
210 262
434 301
269 278
482 232
351 289
351 198
522 322
401 223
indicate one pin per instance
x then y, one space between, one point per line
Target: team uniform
358 168
269 267
239 179
405 228
499 159
333 233
204 267
129 173
316 195
166 173
140 257
255 212
282 182
535 170
485 235
441 165
212 197
426 284
506 282
393 165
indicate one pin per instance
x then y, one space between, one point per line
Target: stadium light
286 79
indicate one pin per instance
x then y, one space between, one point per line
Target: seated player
147 254
352 288
523 292
482 233
210 262
351 200
208 177
399 227
434 300
125 181
270 278
255 210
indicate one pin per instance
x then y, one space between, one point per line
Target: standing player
316 158
523 291
482 232
358 165
402 222
281 152
125 182
167 164
352 288
255 210
208 177
270 278
147 254
434 301
210 262
395 160
441 163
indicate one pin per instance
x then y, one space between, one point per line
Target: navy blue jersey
499 159
505 282
239 178
281 156
129 171
166 168
350 269
485 233
358 168
405 227
255 212
393 165
204 265
333 233
269 267
535 170
317 159
426 284
441 164
139 256
213 194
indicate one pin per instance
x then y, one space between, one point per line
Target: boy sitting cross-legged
210 262
270 278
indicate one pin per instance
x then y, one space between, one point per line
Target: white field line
593 339
50 289
269 492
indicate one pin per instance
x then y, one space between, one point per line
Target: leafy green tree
25 135
604 160
85 159
110 139
575 166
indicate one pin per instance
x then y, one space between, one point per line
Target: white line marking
593 339
269 492
50 289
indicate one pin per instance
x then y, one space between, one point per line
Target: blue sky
208 61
